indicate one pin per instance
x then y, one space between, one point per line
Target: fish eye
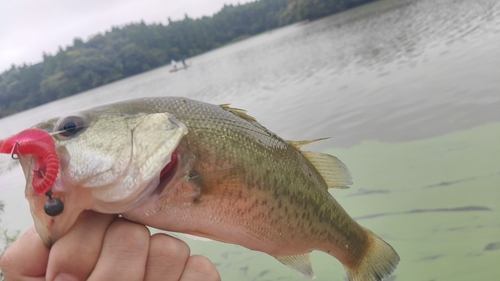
70 126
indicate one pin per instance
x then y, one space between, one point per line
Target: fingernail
65 277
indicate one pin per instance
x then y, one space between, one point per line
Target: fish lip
51 229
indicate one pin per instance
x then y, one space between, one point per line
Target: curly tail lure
40 144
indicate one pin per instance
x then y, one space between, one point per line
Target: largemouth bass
207 170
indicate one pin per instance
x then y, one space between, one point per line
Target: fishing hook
12 153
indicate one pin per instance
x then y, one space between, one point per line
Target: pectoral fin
221 183
299 263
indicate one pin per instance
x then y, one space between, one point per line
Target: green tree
138 47
315 9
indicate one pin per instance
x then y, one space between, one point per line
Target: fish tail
378 263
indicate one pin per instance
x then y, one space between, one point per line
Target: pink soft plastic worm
39 143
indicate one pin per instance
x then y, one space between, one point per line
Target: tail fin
379 262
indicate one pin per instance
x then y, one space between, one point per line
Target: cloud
30 28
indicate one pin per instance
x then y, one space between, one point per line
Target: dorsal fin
333 171
300 263
238 112
300 144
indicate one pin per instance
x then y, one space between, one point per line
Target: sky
30 27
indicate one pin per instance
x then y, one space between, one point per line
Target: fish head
111 160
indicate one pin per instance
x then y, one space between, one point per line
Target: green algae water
435 200
408 91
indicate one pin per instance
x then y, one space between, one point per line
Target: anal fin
300 263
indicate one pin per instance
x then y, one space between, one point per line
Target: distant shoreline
135 48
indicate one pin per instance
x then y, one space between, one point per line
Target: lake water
408 91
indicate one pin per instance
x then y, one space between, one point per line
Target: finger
200 268
124 252
76 253
166 259
26 257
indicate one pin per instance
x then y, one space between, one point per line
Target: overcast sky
30 27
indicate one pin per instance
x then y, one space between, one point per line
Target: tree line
138 47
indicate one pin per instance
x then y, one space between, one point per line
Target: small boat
179 68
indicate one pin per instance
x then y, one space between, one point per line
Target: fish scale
235 181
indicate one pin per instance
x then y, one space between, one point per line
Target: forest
137 47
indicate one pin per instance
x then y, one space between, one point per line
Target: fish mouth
52 229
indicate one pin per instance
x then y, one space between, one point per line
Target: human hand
104 247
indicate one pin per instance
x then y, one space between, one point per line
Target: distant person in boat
174 64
